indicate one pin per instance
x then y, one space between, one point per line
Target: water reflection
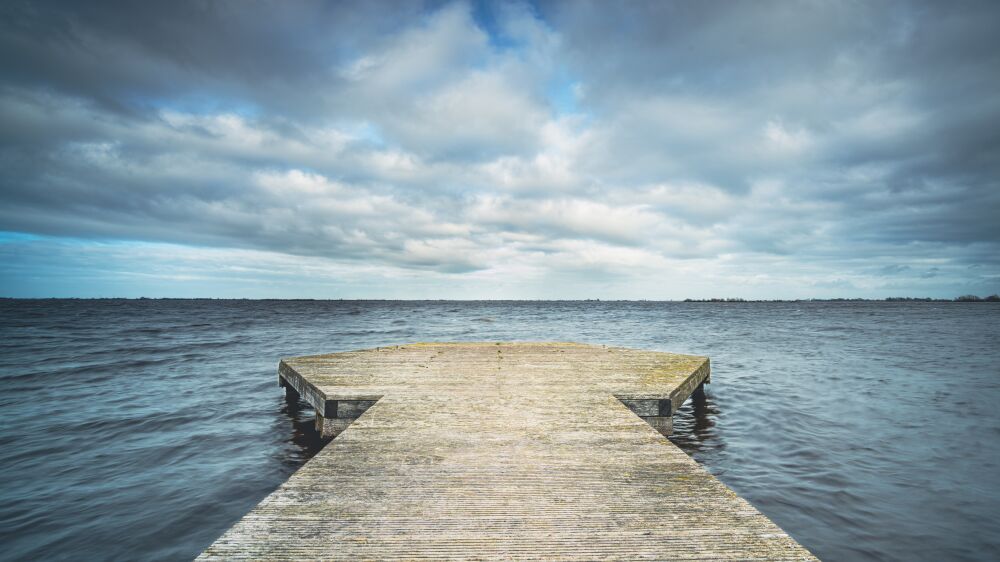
694 423
302 422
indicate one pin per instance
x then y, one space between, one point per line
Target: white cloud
786 140
435 147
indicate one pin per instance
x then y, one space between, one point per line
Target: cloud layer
653 150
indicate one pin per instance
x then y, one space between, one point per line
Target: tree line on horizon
963 298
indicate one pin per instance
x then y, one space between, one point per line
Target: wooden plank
500 451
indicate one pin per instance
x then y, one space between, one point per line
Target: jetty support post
328 425
656 412
336 415
290 393
659 413
333 415
699 393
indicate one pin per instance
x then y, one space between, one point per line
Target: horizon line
961 298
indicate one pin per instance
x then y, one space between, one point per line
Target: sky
474 150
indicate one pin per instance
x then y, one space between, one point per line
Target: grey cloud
126 56
893 269
904 87
840 135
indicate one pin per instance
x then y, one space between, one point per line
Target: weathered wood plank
499 451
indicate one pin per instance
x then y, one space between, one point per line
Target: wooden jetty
543 451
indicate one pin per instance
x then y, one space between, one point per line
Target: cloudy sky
500 150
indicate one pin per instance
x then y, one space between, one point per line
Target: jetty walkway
488 451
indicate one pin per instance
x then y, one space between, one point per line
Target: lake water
144 429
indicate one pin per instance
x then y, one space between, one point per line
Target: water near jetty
144 429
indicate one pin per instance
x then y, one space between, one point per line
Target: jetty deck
544 451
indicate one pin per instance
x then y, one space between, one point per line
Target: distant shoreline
964 298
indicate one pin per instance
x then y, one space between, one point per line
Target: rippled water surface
144 429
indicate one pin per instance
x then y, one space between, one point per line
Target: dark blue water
144 429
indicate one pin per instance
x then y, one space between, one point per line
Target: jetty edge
495 451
